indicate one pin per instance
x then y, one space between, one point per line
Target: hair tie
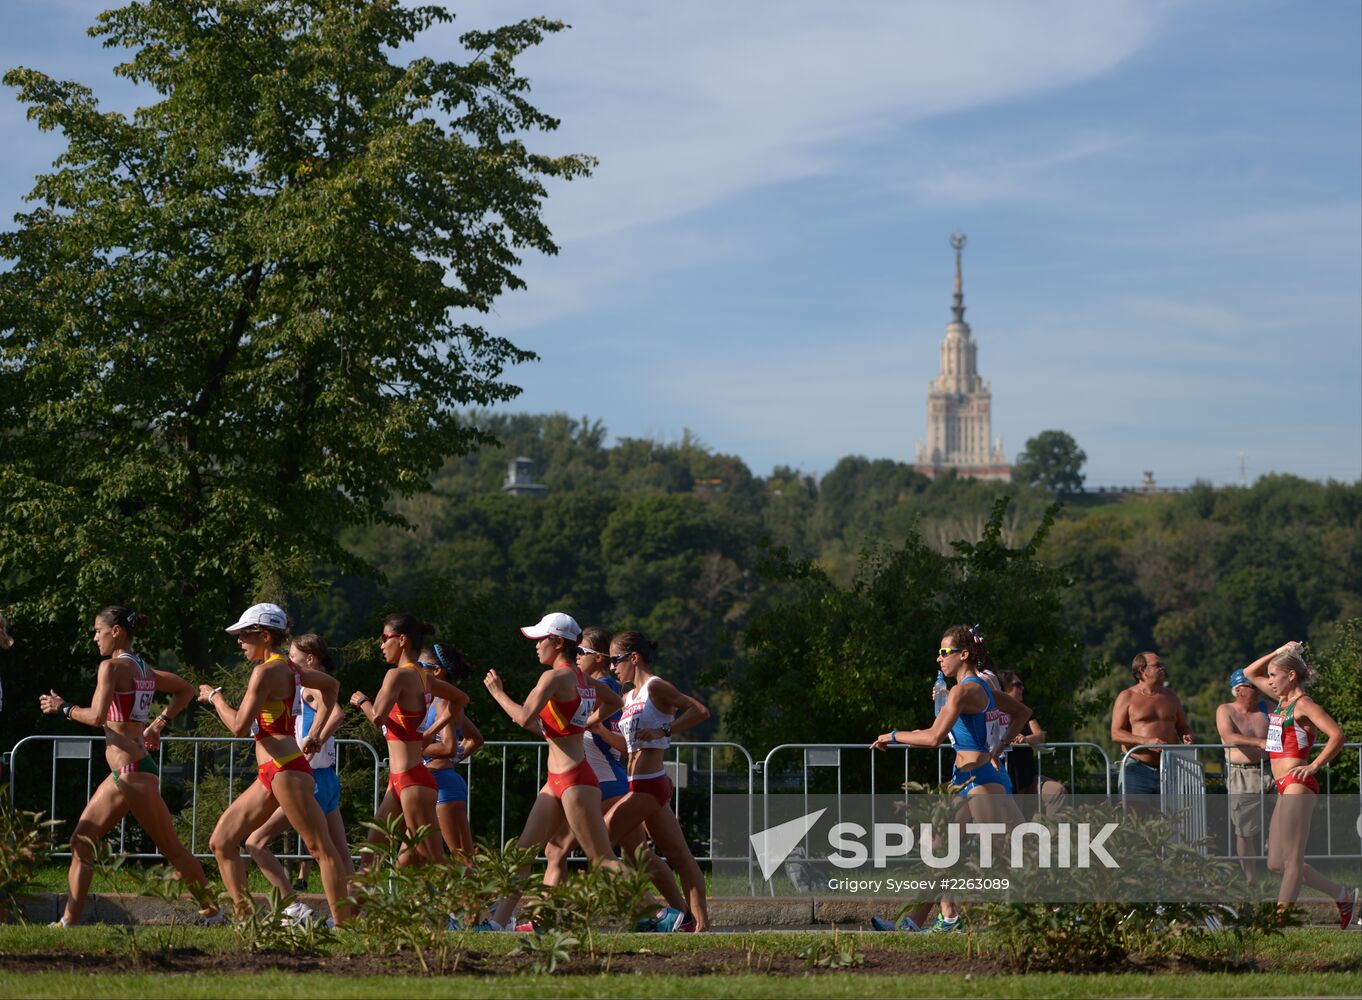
439 655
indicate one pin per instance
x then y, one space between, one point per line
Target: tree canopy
241 318
1053 461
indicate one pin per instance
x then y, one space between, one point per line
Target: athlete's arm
1256 672
328 690
1325 723
472 737
444 718
669 699
936 734
525 715
1018 715
610 736
333 723
51 703
182 693
607 703
454 697
377 709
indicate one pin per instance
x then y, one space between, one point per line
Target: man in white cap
1242 724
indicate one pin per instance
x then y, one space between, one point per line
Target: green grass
276 985
1292 958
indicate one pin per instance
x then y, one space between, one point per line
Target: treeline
808 610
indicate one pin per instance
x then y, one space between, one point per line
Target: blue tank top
612 724
977 731
429 721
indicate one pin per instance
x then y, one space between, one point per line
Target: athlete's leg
546 815
386 808
336 828
662 875
294 790
142 792
247 811
582 809
629 813
100 815
666 833
418 809
258 846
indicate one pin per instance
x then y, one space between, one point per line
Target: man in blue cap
1243 728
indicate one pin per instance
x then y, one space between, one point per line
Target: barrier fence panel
1183 789
190 768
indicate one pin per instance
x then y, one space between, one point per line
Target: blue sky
1163 202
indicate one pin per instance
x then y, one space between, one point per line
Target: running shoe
300 885
1350 909
526 927
299 913
686 925
667 919
453 923
213 919
906 924
647 925
61 924
489 925
944 926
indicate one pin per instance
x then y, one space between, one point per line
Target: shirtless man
1243 725
1147 712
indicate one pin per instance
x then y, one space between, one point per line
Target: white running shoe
299 913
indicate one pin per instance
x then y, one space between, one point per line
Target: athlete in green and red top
1283 674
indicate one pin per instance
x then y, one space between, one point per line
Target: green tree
827 663
1052 460
241 318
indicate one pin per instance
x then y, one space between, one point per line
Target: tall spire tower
959 402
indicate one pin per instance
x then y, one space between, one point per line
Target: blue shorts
1139 778
451 785
984 774
326 788
614 789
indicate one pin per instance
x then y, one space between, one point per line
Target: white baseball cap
268 615
554 623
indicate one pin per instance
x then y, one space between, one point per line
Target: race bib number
1274 734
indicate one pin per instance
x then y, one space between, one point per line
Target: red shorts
266 771
579 775
1287 780
416 777
659 787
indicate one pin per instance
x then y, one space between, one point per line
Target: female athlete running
284 779
649 720
124 691
309 652
450 739
1291 730
971 718
563 704
399 709
604 748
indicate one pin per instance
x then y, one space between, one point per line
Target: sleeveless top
1286 737
326 756
134 705
428 721
604 759
568 718
405 727
978 731
641 712
275 717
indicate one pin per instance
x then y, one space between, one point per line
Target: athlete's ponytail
410 627
116 614
455 664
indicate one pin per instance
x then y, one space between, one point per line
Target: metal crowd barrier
1182 789
682 767
87 748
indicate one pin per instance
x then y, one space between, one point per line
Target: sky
1163 202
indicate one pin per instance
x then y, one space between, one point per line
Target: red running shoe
1350 909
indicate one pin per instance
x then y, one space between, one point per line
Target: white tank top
640 712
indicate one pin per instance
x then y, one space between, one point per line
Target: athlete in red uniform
399 709
284 777
562 706
123 695
1283 674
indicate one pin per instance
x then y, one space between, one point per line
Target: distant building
959 403
520 479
